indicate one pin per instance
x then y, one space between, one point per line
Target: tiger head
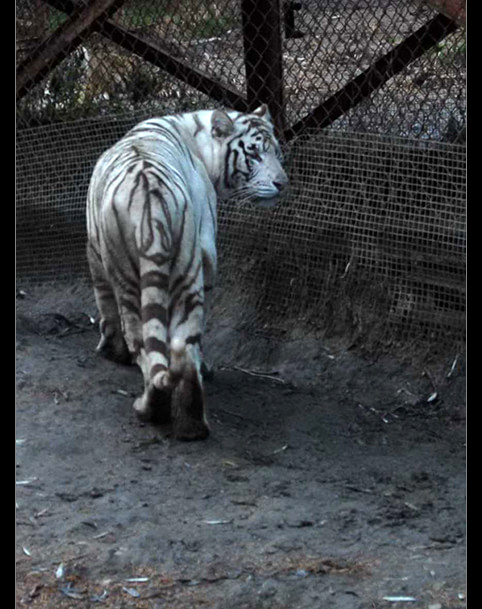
252 167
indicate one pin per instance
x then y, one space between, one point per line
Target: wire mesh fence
372 234
347 254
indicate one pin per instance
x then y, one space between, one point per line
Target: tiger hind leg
187 401
186 329
152 352
154 405
111 344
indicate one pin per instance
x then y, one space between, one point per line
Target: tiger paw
154 406
142 410
207 371
112 345
190 429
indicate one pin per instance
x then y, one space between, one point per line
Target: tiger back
151 224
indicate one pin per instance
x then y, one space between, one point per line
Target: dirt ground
344 493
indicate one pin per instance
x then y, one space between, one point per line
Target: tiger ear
221 124
263 112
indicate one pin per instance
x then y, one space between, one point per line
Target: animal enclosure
330 479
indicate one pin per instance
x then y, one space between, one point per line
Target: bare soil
344 493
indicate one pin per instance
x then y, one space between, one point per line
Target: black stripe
199 125
184 287
129 278
155 279
134 188
154 310
231 156
194 339
154 344
191 302
146 232
126 304
157 368
178 243
153 199
119 264
92 250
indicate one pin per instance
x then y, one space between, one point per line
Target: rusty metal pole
375 76
263 56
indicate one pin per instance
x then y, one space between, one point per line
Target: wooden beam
153 53
263 56
197 79
375 76
82 21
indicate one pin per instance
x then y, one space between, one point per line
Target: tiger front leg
187 399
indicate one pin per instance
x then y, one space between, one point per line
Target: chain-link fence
368 97
172 55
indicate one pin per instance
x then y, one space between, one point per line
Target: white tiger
151 223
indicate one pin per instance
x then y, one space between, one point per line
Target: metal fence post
263 56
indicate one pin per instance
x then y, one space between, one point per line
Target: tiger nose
280 185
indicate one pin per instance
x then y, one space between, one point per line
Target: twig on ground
267 375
